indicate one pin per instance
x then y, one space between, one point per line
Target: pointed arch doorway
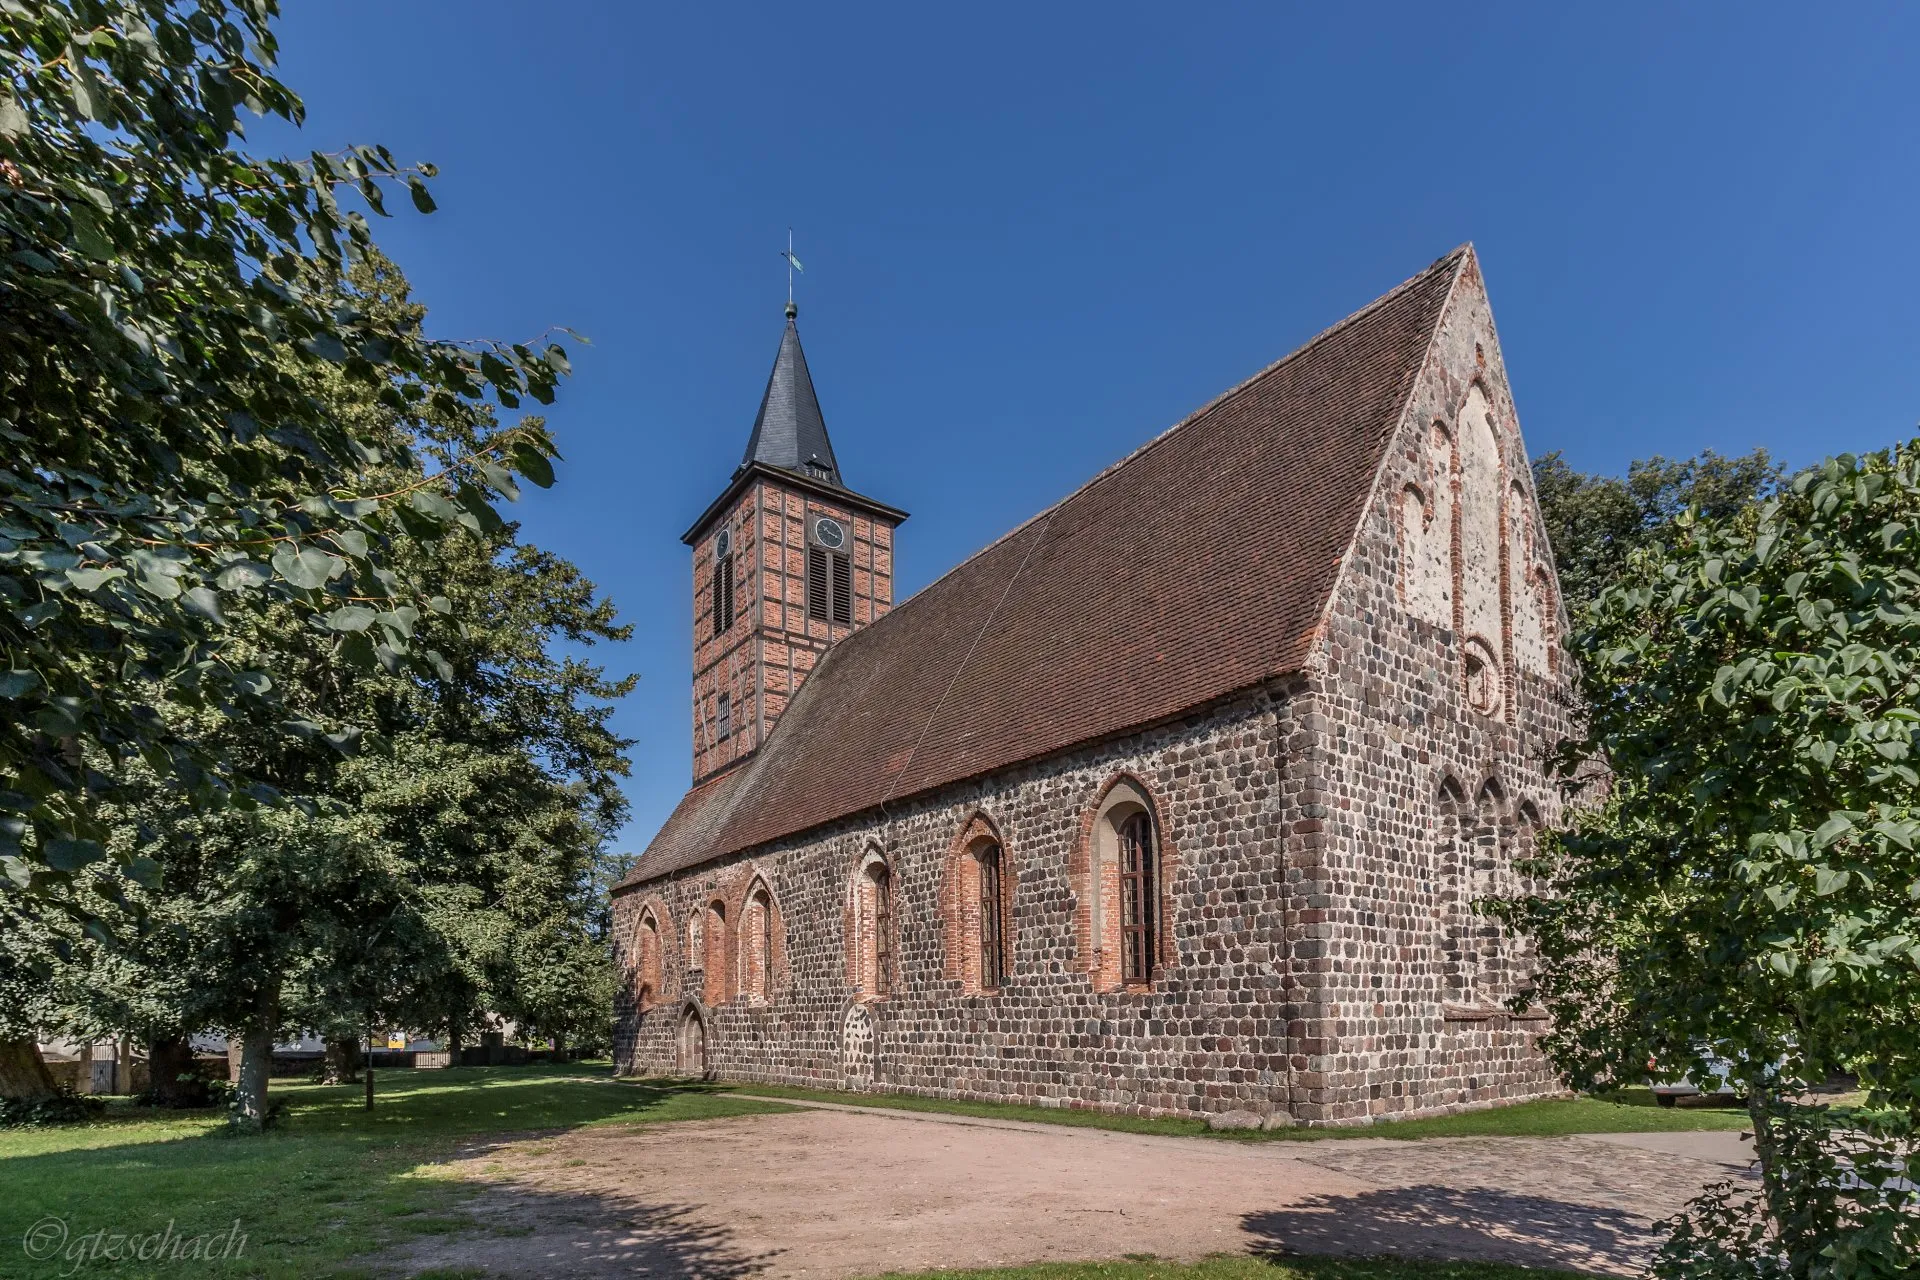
693 1043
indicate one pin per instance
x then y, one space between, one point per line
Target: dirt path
837 1193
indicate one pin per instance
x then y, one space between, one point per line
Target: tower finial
793 265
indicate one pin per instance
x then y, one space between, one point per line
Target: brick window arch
714 968
1122 873
649 960
872 949
1453 826
977 893
758 945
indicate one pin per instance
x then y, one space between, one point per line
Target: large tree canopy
1746 883
451 868
1594 522
168 306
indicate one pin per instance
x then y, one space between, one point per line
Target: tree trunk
1773 1181
174 1078
455 1031
250 1091
23 1073
342 1062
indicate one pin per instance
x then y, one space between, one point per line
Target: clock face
829 533
723 544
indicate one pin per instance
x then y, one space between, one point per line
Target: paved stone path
831 1191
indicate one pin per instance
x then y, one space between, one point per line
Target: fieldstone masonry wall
1434 773
1322 841
1211 1033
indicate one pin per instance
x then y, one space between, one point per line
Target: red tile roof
1198 566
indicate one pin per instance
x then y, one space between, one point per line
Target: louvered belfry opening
829 586
722 593
1138 898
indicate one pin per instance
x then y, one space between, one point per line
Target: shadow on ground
510 1229
1432 1221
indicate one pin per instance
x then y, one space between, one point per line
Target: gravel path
839 1192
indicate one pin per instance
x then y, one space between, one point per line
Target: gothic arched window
1139 898
756 944
993 954
1120 883
647 960
870 919
716 959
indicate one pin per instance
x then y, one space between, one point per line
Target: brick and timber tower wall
759 659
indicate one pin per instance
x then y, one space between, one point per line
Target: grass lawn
322 1193
1631 1111
1239 1268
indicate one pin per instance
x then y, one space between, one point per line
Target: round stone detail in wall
859 1044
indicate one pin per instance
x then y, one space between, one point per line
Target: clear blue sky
1036 236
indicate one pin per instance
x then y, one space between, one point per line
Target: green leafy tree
1744 882
399 885
1594 522
171 304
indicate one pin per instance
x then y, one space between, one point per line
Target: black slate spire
790 432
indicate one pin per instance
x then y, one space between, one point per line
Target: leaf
435 506
501 479
1827 880
441 666
352 542
352 617
308 568
18 684
94 579
88 238
204 602
244 575
144 872
72 854
253 683
13 119
422 200
530 463
357 650
1832 829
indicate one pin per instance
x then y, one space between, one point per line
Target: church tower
786 562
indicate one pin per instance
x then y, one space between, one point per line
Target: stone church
1173 800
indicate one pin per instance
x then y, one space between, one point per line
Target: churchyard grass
1228 1267
1629 1111
323 1193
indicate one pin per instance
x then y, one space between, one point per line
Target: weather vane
793 265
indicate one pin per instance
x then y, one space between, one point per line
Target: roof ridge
1431 269
1319 414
